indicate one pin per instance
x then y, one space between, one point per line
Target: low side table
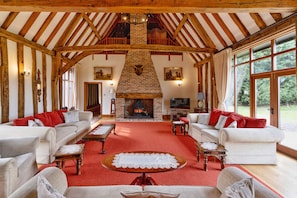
211 149
70 152
178 123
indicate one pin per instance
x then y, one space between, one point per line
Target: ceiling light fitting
134 18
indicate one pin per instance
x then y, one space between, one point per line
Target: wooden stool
70 152
178 123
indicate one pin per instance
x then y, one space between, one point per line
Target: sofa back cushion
55 117
214 117
22 121
45 119
255 122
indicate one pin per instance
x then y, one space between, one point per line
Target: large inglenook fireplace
139 108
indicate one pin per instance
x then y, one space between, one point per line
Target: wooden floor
281 177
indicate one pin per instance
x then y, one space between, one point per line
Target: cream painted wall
169 88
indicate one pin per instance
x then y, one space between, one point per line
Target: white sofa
243 145
51 138
17 162
58 181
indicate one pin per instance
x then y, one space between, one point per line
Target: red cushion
255 122
229 120
45 119
184 119
214 117
22 121
60 112
239 119
55 117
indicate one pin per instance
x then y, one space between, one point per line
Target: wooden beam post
4 81
21 80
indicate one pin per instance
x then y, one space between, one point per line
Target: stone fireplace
138 82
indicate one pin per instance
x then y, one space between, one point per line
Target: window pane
263 65
261 51
286 60
286 42
242 57
243 89
230 97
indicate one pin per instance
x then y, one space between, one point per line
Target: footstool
70 152
178 123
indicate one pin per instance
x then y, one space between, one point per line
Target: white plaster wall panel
28 82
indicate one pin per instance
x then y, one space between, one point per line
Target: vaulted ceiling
76 28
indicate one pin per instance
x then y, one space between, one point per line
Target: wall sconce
179 83
38 85
25 73
111 83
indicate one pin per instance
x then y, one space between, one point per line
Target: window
243 89
68 89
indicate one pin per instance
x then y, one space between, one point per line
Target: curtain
222 67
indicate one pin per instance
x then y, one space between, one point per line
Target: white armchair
17 162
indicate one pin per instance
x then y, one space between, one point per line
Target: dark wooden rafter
43 82
224 27
34 84
276 16
9 20
239 24
183 38
258 20
199 28
44 26
29 23
76 32
91 25
180 25
215 31
66 34
56 29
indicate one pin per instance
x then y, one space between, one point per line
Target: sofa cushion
60 112
242 188
71 116
214 117
255 122
148 194
55 117
241 121
211 135
221 122
22 121
203 119
45 119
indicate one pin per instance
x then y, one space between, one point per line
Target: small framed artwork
102 73
173 73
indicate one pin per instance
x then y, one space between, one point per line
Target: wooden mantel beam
149 47
150 6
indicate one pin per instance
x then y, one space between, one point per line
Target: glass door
288 109
275 98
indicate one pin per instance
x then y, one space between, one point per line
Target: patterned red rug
142 136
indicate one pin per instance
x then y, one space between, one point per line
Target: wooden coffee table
211 149
180 123
70 152
100 134
143 179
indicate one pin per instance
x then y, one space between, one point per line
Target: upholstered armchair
17 162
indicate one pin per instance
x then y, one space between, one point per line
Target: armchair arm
267 134
85 115
8 176
11 147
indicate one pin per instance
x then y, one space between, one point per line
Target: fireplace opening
139 108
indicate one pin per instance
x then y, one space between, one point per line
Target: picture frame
102 73
173 73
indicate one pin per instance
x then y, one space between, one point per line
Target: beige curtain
222 66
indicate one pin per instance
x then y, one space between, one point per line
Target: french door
275 98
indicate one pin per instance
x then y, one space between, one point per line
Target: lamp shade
200 96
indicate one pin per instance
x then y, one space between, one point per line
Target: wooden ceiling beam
150 6
151 47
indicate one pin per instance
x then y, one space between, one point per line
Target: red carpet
142 136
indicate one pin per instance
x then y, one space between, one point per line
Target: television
180 103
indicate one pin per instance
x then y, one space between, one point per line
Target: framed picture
102 73
173 73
